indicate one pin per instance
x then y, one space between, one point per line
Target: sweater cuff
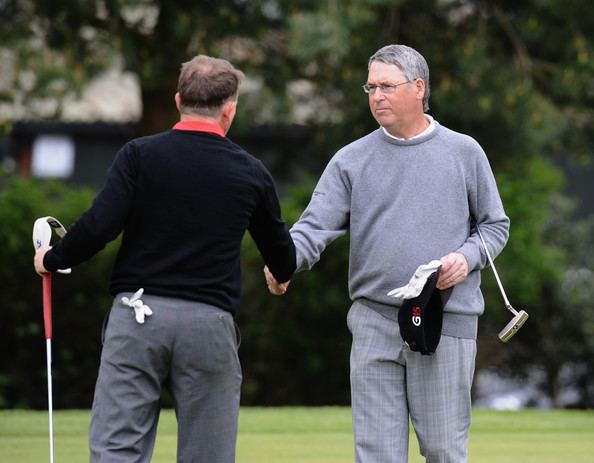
51 262
473 256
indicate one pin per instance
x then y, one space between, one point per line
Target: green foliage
79 301
295 348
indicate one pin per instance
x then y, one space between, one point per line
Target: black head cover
421 318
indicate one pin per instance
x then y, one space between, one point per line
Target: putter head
513 326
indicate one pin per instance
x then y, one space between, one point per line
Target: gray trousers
188 347
390 383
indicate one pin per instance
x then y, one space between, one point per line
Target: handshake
276 288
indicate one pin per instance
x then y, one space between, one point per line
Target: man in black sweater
183 199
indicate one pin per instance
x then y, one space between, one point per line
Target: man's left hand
38 259
454 270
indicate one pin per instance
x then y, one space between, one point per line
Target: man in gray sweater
409 192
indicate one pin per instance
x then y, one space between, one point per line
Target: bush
295 348
80 301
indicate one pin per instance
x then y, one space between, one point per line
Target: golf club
519 317
42 234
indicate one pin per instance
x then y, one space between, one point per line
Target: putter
42 234
519 317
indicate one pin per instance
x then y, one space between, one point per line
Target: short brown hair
205 84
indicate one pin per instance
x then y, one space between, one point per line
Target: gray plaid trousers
390 384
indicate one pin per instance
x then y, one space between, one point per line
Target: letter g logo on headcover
416 316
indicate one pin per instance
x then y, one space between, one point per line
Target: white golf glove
417 282
140 309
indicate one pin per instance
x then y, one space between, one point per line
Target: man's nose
378 95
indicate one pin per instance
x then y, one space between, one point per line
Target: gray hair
409 61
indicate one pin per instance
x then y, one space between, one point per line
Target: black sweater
184 200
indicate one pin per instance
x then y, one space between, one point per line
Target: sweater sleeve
104 220
487 212
325 219
269 231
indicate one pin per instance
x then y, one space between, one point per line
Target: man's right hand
276 288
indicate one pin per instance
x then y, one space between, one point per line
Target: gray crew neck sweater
405 203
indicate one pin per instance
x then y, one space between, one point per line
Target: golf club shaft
47 304
507 304
50 405
47 324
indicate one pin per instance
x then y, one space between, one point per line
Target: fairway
316 435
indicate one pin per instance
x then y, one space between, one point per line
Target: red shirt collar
200 126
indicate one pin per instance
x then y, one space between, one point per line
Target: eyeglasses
384 88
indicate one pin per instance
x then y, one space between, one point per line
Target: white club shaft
48 346
507 304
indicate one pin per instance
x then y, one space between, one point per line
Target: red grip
47 304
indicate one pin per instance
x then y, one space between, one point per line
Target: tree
76 39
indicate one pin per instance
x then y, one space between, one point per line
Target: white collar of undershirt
427 131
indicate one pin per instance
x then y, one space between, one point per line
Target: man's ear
229 109
177 101
420 86
227 114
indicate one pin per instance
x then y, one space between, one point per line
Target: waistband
454 324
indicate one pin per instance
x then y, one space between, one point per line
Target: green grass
315 435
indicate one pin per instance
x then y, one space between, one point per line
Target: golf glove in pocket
140 309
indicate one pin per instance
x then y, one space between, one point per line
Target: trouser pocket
104 327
